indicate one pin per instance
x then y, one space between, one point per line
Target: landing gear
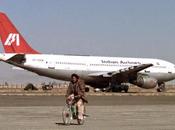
113 88
126 89
161 87
120 88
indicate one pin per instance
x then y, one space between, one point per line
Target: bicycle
70 113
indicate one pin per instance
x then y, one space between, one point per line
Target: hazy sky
131 28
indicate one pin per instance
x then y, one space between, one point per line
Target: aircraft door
51 64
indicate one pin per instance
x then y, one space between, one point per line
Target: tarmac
105 113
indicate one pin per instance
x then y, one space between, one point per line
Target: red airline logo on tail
11 39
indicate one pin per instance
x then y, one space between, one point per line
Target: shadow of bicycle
62 124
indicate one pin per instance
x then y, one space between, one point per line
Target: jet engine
146 82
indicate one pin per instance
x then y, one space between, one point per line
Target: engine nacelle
146 82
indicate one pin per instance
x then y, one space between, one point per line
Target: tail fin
12 40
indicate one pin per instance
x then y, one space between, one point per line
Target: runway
105 113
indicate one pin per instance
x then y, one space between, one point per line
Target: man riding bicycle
76 91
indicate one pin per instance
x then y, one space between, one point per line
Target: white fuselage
96 64
62 66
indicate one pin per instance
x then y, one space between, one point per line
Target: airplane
96 71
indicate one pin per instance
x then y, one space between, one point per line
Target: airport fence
62 87
20 88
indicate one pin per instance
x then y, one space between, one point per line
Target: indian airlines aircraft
97 71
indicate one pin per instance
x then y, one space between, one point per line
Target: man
77 89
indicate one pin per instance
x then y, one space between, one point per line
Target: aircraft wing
125 71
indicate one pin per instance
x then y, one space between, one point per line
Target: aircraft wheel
161 87
126 90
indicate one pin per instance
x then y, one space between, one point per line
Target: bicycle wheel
67 115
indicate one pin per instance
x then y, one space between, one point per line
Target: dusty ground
105 113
